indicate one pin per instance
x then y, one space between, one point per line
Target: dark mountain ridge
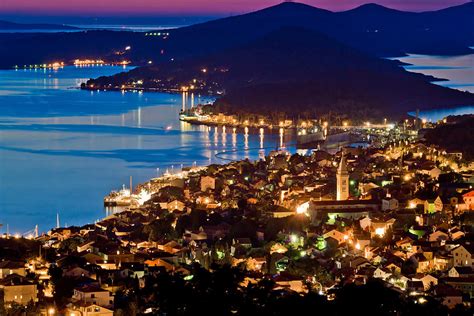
6 25
370 28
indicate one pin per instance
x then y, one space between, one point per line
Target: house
195 235
358 263
380 227
240 243
88 309
290 283
463 255
171 247
373 254
438 236
175 205
469 199
365 223
340 237
18 289
381 273
255 264
429 281
365 188
244 242
404 243
431 206
415 286
461 272
159 263
389 203
123 230
423 264
60 234
456 234
413 203
394 267
133 270
432 172
450 297
441 262
85 246
465 285
280 212
94 295
208 183
76 272
8 267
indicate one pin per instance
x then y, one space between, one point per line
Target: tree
198 218
244 229
63 286
160 229
183 222
3 311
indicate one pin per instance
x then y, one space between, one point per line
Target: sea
95 27
457 72
63 149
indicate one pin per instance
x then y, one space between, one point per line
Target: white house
88 309
10 267
93 295
462 256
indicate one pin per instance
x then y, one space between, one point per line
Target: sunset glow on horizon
186 7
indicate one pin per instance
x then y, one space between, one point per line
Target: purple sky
198 7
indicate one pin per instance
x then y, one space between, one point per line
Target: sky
191 7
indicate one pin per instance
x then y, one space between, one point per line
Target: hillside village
401 215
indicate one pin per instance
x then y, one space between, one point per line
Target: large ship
120 198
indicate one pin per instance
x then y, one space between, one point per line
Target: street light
51 311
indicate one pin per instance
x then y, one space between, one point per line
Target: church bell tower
342 179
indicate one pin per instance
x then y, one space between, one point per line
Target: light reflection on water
458 72
63 149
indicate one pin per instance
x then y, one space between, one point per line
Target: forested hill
456 136
295 70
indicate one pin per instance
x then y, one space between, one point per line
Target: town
394 220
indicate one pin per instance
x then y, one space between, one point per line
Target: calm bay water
459 70
62 149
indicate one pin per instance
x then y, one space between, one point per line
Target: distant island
6 25
294 72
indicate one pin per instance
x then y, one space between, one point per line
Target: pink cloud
177 7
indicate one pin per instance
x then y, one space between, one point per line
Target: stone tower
342 179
